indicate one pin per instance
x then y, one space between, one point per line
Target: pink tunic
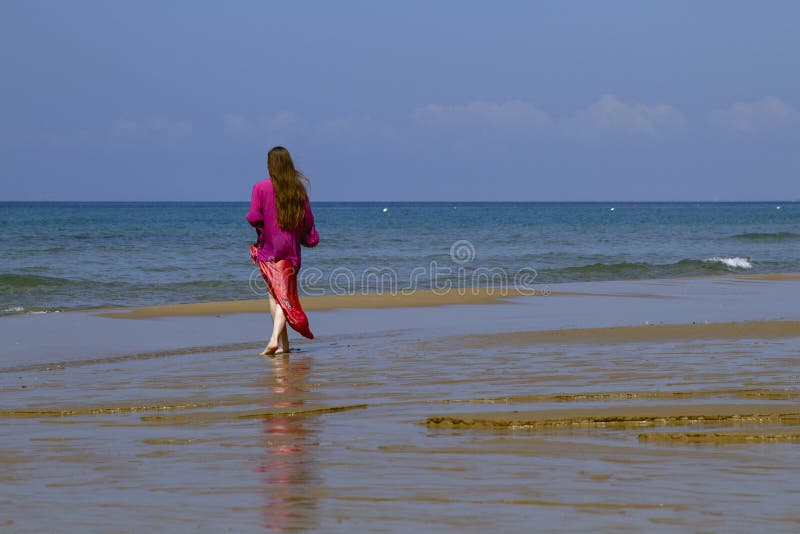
274 244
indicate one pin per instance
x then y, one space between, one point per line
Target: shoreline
420 298
417 299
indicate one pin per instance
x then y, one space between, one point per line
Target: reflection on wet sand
288 464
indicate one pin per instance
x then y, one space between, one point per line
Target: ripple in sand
623 417
719 437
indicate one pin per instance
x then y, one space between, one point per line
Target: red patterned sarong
281 279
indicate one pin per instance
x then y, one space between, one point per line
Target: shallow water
333 438
226 439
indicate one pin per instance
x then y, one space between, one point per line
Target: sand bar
623 416
425 299
736 436
401 299
634 334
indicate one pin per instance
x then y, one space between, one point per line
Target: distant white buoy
385 210
612 209
777 207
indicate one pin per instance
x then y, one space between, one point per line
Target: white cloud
285 123
755 116
609 115
510 114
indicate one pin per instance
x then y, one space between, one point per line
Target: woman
281 214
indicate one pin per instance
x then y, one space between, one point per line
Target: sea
58 256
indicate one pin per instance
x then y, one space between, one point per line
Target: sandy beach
638 406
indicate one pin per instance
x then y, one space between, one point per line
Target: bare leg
278 329
285 341
268 350
284 337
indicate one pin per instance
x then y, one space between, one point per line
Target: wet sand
635 334
360 301
566 412
398 299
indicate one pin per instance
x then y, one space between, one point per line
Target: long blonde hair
290 193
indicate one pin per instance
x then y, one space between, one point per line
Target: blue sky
446 100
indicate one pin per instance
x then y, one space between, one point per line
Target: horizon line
602 201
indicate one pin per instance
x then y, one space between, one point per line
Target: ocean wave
30 280
733 263
13 281
766 236
635 270
27 294
21 310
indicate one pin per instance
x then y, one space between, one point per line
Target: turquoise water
59 256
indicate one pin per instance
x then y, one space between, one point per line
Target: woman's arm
310 237
256 214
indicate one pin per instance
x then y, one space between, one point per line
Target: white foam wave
733 263
20 309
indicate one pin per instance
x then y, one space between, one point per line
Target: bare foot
284 342
270 350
